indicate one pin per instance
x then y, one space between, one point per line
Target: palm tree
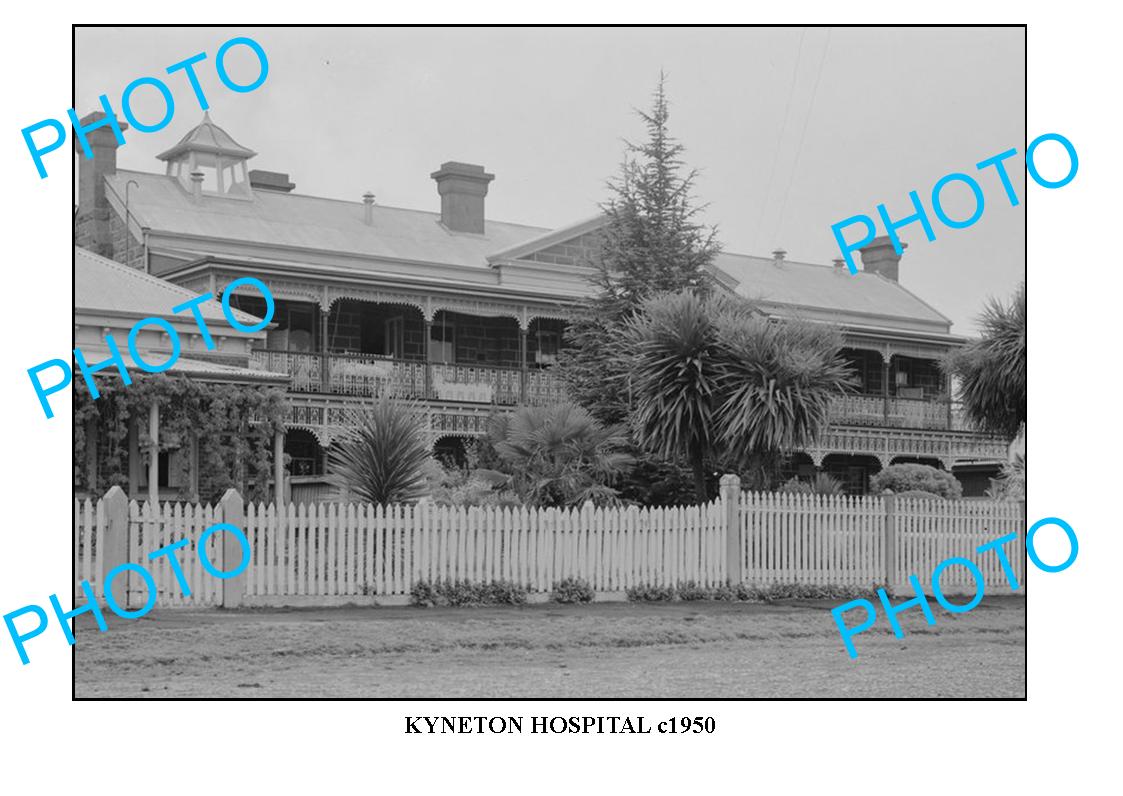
560 455
674 344
992 370
710 377
777 381
384 456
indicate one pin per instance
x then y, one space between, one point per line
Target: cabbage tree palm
992 370
711 378
673 342
383 457
776 381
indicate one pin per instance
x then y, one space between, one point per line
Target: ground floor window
305 455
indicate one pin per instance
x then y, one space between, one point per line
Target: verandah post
233 512
523 375
279 468
731 502
154 455
427 345
325 367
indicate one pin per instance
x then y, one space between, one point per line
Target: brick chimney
462 187
879 257
91 227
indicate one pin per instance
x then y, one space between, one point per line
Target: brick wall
494 341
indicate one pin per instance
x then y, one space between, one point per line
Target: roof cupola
208 149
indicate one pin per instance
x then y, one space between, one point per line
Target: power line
802 135
779 141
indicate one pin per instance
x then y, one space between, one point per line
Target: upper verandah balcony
365 348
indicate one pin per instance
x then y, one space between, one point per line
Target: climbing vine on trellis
234 424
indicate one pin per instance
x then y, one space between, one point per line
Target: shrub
803 591
920 493
656 482
795 486
821 484
572 590
908 477
646 592
743 592
461 592
424 594
690 591
453 486
505 592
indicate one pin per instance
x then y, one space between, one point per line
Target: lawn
691 649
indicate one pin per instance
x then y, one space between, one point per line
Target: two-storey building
466 314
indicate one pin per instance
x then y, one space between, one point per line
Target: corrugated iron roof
107 286
804 285
197 368
271 218
330 225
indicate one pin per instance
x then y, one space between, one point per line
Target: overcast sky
792 129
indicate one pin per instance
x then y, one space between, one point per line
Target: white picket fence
812 539
149 531
845 540
89 542
331 549
327 553
930 531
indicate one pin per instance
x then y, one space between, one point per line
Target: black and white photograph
497 398
529 362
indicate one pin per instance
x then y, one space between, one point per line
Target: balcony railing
356 374
365 375
893 412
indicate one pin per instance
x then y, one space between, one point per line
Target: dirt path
603 650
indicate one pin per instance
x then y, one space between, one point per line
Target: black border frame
74 696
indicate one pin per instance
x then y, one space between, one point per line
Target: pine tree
651 243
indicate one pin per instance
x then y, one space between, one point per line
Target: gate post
116 544
889 567
233 512
731 502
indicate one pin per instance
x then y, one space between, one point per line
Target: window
442 342
169 467
302 327
393 344
306 457
548 345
